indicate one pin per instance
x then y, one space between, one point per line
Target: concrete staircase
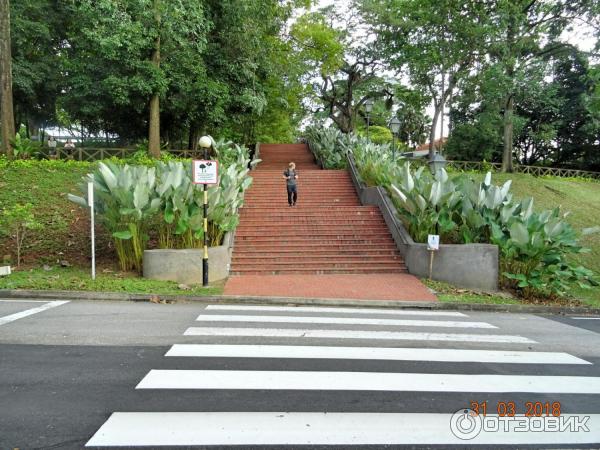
327 232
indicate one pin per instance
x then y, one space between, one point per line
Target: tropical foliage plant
23 147
534 246
325 145
130 200
330 146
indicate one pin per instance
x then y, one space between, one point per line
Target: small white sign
90 194
433 242
205 172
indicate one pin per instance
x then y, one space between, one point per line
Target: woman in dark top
291 176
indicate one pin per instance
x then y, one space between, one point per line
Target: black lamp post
368 109
395 128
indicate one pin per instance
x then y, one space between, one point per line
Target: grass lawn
451 294
77 279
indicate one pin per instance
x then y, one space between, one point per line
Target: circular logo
465 424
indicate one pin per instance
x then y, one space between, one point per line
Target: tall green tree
553 121
38 30
343 68
524 32
437 43
117 58
7 121
247 74
154 120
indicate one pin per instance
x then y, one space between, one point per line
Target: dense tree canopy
169 71
218 66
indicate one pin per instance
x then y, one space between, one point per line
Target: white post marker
433 245
91 203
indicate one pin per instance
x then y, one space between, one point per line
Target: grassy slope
580 198
65 235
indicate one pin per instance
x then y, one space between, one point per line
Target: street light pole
205 143
368 109
395 128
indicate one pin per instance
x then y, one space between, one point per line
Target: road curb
292 301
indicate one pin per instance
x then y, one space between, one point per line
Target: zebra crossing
291 376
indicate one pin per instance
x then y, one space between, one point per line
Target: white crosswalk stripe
365 381
352 334
343 428
248 428
343 321
371 353
335 310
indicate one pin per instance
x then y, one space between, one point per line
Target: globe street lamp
395 128
368 109
205 142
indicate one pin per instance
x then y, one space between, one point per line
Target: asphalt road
139 375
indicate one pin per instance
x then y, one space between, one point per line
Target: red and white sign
205 171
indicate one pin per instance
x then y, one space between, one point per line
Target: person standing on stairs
291 176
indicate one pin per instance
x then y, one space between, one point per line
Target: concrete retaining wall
185 266
464 265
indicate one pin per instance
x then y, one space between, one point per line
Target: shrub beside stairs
327 232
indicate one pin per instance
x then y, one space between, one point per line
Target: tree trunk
194 137
507 162
509 106
167 139
443 106
7 118
432 132
154 123
33 129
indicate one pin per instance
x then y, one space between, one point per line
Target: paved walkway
394 286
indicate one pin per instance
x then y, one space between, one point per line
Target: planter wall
185 266
465 265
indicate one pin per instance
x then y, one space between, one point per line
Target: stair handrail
255 156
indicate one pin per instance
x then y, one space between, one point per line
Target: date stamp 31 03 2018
512 408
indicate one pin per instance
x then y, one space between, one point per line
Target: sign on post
433 245
433 242
205 172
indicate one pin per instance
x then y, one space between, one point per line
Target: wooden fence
94 154
538 171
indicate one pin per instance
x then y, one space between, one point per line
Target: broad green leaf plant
131 201
534 246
